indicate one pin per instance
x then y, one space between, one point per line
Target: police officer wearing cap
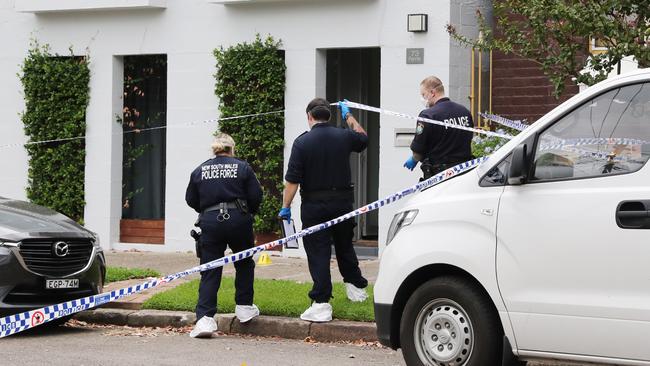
320 166
226 193
437 147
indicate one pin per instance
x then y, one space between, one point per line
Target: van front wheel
449 322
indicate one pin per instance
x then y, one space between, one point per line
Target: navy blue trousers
236 233
318 247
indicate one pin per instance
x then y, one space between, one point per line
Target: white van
541 252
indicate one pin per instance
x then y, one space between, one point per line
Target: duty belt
430 169
223 207
346 193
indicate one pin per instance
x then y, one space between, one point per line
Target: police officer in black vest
320 166
226 193
437 147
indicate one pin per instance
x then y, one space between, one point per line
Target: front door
353 74
574 281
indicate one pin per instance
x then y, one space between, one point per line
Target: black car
45 258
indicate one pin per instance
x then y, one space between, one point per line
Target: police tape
600 141
30 319
140 130
517 125
425 120
571 145
561 143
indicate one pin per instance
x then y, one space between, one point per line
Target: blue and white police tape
140 130
566 144
20 322
562 143
602 141
425 120
517 125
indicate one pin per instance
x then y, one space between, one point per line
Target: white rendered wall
187 31
13 48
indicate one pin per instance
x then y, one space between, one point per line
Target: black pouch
428 170
197 245
242 205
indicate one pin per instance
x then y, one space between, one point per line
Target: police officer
226 193
439 147
320 166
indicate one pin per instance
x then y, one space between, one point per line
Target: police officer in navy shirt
226 193
437 147
320 166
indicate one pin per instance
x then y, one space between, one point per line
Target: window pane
607 135
498 175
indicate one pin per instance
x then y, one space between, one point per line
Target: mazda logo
61 249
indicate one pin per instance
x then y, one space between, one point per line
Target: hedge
250 79
56 96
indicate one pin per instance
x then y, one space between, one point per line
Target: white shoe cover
318 312
246 312
204 328
355 294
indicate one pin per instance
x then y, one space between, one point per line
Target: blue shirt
444 144
320 158
223 179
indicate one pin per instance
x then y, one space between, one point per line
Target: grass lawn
273 297
114 274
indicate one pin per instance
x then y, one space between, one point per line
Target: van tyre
448 321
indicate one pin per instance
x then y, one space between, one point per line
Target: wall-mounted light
417 23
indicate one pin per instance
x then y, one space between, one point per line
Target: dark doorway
144 145
354 74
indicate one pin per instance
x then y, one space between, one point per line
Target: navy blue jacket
223 179
442 144
320 158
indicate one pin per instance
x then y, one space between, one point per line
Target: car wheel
449 322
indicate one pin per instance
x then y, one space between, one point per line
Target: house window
143 175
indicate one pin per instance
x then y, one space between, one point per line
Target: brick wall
520 90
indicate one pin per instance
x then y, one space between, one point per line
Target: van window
608 135
497 176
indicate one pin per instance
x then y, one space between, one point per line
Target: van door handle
633 215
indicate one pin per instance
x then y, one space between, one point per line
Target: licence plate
63 283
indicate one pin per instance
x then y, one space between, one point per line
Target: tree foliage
56 96
556 34
251 79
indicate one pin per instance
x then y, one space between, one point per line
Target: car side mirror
518 165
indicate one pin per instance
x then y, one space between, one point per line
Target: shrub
250 79
56 96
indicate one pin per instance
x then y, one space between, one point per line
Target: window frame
559 118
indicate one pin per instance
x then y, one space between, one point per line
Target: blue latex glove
344 109
410 163
285 213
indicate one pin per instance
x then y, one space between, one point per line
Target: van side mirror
518 166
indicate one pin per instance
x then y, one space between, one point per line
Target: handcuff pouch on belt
223 215
223 207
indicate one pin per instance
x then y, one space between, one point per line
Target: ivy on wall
56 96
250 79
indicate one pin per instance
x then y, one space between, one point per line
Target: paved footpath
281 268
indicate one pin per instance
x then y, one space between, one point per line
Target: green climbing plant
56 96
250 79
